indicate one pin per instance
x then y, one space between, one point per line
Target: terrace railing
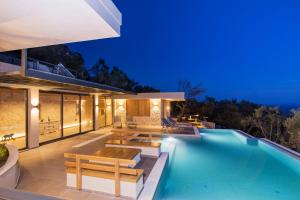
41 66
50 68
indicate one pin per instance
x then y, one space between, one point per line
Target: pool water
221 165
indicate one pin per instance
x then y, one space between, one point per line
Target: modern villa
74 139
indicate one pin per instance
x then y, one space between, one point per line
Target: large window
101 112
138 107
86 113
50 116
13 117
71 114
108 111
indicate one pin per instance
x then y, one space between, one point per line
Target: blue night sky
235 49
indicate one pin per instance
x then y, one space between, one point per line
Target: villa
73 139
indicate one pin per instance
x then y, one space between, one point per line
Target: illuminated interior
108 102
86 113
71 114
50 116
13 117
101 112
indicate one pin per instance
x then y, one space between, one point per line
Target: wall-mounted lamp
155 102
108 102
121 102
35 103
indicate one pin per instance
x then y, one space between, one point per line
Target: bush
3 153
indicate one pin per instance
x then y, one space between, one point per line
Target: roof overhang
34 23
169 96
58 84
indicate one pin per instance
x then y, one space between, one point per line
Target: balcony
13 64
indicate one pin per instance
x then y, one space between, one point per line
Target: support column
96 112
33 118
113 107
23 61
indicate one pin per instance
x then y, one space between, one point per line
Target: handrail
55 69
94 163
36 64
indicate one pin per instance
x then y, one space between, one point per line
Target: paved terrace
43 168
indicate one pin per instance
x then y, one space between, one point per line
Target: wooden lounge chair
87 172
147 148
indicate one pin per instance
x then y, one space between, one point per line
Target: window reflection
50 116
71 114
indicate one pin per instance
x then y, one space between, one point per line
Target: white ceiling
34 23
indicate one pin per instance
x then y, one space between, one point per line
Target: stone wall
155 113
13 115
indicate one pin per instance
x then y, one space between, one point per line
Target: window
108 111
50 116
138 108
101 112
71 114
86 113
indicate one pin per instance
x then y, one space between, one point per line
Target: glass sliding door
50 116
71 114
108 108
13 117
87 113
101 112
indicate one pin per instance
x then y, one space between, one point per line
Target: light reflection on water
220 165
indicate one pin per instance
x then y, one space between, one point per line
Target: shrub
3 153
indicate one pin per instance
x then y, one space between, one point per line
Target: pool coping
153 179
280 147
195 135
283 149
244 134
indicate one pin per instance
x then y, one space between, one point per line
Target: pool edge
153 180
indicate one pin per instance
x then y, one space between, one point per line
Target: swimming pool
222 165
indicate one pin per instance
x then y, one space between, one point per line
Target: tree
268 121
100 72
292 125
191 93
145 88
61 54
121 80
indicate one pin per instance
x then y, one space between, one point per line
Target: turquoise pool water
222 165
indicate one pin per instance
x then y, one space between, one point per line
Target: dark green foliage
146 88
120 79
58 54
61 54
3 153
100 71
